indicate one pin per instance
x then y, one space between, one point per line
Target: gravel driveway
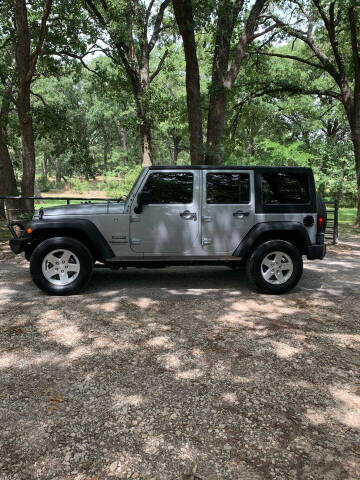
153 373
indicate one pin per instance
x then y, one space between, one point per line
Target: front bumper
17 245
316 252
20 237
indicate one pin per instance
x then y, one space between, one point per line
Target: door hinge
206 219
119 239
135 241
206 241
134 219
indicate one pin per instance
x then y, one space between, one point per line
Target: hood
82 209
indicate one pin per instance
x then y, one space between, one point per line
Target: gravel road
154 374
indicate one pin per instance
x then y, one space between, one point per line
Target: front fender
85 229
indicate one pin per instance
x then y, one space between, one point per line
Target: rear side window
284 188
227 188
170 187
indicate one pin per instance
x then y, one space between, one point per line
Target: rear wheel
61 265
275 266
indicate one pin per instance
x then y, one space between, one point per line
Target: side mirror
142 200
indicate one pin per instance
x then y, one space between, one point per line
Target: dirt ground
152 373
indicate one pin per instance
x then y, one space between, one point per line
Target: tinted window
228 188
170 187
280 188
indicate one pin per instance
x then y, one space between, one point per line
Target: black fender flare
260 228
85 227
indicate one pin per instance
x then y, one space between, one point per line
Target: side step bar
171 260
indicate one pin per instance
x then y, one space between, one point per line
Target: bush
121 185
80 186
45 184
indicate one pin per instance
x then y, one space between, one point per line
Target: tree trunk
175 150
23 61
45 166
37 192
250 150
7 177
218 90
215 129
27 142
8 186
25 67
58 172
105 150
185 20
355 136
145 138
124 141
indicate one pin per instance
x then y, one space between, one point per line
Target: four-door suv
265 218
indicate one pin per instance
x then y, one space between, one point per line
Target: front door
228 209
169 224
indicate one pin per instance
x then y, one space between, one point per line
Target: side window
165 188
282 188
227 188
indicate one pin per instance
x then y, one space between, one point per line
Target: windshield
134 185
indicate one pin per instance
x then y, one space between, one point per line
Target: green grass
347 216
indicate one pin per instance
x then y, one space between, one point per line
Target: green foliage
276 153
86 121
44 184
118 184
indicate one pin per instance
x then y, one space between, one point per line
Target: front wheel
61 265
275 266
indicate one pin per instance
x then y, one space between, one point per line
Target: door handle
187 215
240 214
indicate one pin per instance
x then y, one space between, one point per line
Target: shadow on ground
150 372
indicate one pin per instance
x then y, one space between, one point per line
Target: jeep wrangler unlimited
264 218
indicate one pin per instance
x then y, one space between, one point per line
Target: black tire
254 262
79 249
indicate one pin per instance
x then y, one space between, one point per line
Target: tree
330 36
226 69
26 61
228 57
134 31
185 20
8 184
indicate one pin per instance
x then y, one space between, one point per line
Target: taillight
320 223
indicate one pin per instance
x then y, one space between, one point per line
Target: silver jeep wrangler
262 218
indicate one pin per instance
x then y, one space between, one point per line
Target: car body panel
222 228
161 229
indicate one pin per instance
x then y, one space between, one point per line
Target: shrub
45 184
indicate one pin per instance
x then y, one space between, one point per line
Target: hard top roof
228 167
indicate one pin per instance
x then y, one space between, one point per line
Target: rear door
169 225
228 209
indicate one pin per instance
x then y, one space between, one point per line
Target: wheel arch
82 230
292 232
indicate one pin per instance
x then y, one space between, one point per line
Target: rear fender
294 232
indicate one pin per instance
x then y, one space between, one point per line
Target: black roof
228 167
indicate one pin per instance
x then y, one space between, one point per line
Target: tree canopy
103 87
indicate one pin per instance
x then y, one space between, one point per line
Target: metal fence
332 224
